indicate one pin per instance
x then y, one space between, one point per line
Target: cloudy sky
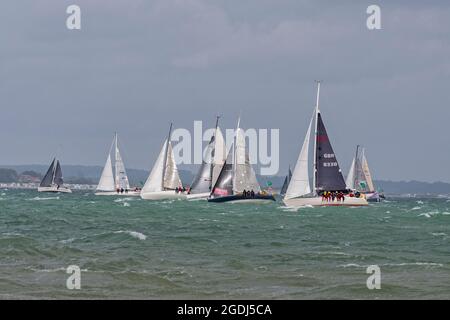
137 65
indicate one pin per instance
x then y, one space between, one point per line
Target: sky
137 65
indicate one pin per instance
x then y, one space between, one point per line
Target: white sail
106 182
154 181
244 175
171 177
366 171
121 174
299 184
220 155
350 181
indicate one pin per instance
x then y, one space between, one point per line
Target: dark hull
241 198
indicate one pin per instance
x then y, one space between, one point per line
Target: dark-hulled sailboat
327 176
237 180
53 179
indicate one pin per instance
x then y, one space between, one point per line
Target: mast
234 152
355 169
211 167
165 156
317 111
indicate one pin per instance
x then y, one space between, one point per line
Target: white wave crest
134 234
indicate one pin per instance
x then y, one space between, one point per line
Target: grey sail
328 174
224 183
47 181
58 178
286 182
202 181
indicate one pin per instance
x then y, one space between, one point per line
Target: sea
128 248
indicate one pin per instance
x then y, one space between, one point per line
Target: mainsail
368 176
47 181
164 174
121 175
350 181
202 181
219 155
224 183
328 174
171 177
244 175
58 178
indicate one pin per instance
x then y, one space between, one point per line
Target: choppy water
131 248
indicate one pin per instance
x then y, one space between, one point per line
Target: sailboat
327 176
118 184
286 182
164 180
359 178
211 166
237 180
53 179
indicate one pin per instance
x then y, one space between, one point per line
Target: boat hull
319 202
54 189
162 195
373 197
114 193
197 196
241 199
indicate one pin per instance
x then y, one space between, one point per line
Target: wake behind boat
237 181
211 166
164 181
118 185
53 179
329 187
359 178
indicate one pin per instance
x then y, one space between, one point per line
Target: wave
402 264
429 214
126 204
416 208
134 234
125 199
43 198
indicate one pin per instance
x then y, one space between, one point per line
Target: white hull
54 189
197 196
114 193
162 195
318 202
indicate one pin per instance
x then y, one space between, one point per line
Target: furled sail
47 181
328 174
244 175
106 182
299 184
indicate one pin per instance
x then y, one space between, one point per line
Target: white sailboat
211 166
118 184
164 180
359 177
327 177
53 179
237 180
